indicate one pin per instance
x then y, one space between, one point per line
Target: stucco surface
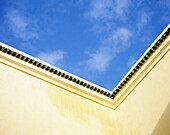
31 106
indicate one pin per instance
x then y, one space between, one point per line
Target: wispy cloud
121 6
100 9
131 61
107 9
52 57
100 59
143 19
20 26
117 42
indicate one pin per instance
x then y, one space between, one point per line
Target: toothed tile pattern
79 81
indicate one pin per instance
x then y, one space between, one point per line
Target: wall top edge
93 88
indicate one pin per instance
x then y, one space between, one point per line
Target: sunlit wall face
35 101
29 104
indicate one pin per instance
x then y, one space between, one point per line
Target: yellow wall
31 106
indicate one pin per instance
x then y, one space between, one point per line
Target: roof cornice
79 82
53 70
140 63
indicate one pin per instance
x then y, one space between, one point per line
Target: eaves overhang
46 72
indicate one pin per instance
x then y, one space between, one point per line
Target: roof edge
97 93
53 75
155 49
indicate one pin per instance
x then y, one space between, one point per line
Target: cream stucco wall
32 106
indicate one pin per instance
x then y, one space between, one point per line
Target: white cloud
110 47
101 9
131 61
100 59
143 20
19 26
107 12
121 6
51 57
107 9
118 40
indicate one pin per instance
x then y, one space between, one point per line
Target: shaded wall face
162 127
29 105
144 107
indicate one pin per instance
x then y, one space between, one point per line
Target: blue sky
98 40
